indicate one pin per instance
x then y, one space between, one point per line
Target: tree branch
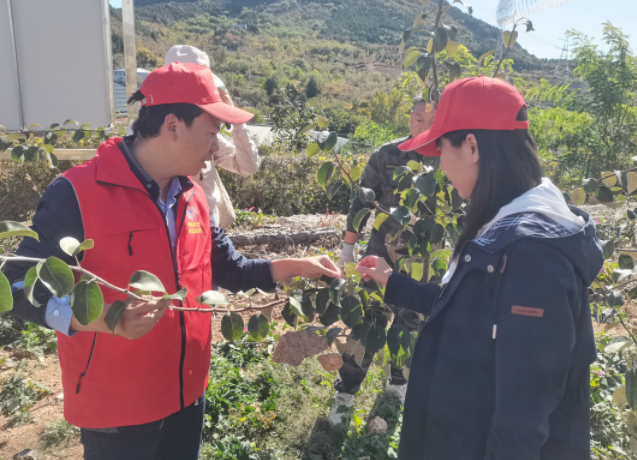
225 310
97 279
504 55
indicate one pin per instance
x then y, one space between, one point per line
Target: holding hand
140 317
311 267
374 268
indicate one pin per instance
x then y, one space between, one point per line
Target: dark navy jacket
501 367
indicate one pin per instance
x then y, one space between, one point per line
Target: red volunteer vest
111 381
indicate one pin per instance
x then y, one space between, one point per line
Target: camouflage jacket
379 176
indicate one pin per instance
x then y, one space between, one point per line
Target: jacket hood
545 199
542 213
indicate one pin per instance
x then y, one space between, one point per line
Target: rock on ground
295 346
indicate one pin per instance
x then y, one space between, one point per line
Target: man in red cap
140 394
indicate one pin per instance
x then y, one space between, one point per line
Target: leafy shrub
57 433
35 341
286 185
237 405
17 396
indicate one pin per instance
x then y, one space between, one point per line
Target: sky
550 26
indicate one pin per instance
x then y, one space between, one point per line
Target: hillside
348 47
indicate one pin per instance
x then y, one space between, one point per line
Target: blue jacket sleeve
535 338
57 216
405 292
234 272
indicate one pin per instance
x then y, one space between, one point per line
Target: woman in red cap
501 366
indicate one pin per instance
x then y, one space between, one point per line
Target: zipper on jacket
130 246
83 374
182 319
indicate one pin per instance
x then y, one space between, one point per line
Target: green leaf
114 314
401 171
6 298
312 150
307 308
336 289
411 58
17 154
359 216
322 300
415 166
437 233
327 142
332 334
423 65
376 338
590 186
626 262
359 332
307 128
615 299
67 122
351 310
73 247
417 271
398 337
426 184
331 315
402 215
380 218
333 190
87 302
16 137
609 249
10 229
53 160
366 195
407 34
355 173
296 299
146 282
604 194
212 298
258 327
179 295
324 174
441 38
56 276
411 197
454 198
509 38
322 122
289 314
29 285
232 326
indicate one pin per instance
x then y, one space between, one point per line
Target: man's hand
140 317
311 267
376 268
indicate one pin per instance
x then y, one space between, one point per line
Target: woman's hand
374 268
311 267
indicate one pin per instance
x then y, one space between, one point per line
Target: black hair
508 167
151 119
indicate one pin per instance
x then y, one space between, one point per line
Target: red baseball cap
471 103
189 84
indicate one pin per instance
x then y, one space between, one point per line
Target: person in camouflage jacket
379 177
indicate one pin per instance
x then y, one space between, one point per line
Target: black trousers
176 437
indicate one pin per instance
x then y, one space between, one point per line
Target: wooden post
130 53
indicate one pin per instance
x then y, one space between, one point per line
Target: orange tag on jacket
526 311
